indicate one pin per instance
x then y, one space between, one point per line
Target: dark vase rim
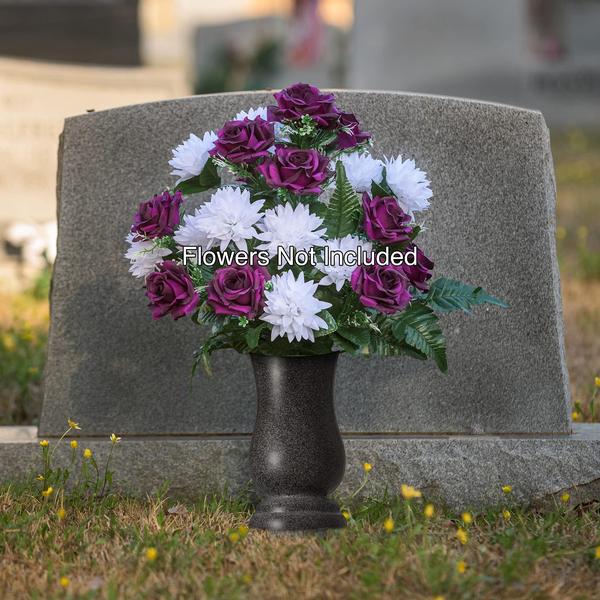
335 352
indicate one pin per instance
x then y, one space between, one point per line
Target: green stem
60 439
360 487
112 447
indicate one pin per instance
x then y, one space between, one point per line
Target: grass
118 547
23 336
577 166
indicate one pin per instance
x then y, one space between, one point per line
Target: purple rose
303 99
238 290
352 135
384 220
384 288
244 141
171 291
300 171
158 216
420 273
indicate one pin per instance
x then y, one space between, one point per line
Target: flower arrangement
312 247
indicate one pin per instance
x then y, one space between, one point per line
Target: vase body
297 455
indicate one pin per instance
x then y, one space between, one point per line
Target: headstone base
463 472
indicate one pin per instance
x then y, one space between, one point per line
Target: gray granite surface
462 471
491 223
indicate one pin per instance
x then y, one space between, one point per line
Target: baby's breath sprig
306 126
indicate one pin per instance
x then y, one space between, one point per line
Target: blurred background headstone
75 31
542 54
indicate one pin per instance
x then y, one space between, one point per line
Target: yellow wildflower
151 554
462 535
439 598
597 552
409 492
467 518
72 424
27 334
429 511
74 444
367 467
61 513
40 477
44 443
243 529
48 491
461 567
87 453
114 439
576 415
506 514
64 582
8 342
597 381
561 232
388 525
234 536
565 497
507 489
346 515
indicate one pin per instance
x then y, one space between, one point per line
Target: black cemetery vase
297 456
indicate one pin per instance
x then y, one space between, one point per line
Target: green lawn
118 547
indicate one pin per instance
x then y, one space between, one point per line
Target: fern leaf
446 295
343 210
418 327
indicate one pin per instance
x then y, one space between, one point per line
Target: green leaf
253 335
343 210
331 324
418 327
382 188
360 337
446 295
385 344
202 355
345 344
209 178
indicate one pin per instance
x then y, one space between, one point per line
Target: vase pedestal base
297 513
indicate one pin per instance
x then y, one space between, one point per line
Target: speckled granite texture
296 455
462 471
491 224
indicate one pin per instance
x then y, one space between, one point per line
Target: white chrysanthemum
229 216
189 233
252 113
190 156
144 255
362 170
337 274
292 309
284 226
408 183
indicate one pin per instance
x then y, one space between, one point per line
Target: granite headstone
491 223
